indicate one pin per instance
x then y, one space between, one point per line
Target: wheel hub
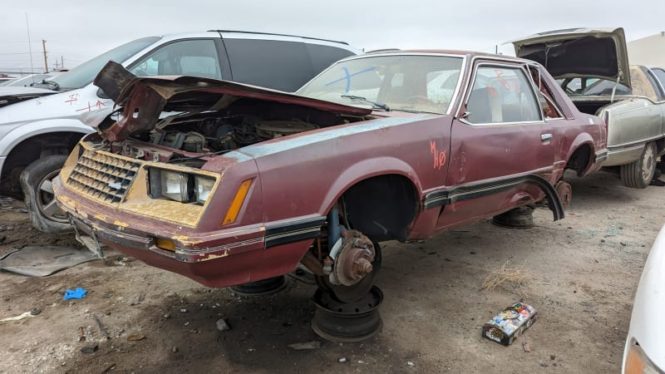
354 261
46 199
648 166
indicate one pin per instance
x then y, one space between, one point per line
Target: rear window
281 65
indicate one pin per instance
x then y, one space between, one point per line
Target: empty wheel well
29 150
381 207
580 159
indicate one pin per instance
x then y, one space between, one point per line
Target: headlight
202 188
175 186
637 362
178 186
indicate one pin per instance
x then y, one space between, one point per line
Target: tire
639 174
36 179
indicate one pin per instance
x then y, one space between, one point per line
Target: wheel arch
374 175
28 143
581 155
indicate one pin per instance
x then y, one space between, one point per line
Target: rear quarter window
282 65
322 56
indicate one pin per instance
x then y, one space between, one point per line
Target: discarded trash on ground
506 326
19 317
40 261
135 337
75 294
222 325
314 344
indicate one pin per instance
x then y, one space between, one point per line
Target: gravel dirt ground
580 273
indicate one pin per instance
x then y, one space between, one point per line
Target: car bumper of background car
623 155
216 259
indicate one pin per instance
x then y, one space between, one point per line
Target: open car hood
144 99
571 53
10 94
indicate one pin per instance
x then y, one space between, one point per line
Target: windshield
409 83
87 71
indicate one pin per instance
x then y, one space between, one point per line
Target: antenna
27 25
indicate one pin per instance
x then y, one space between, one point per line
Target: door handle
546 138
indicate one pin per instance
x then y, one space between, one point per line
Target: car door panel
490 157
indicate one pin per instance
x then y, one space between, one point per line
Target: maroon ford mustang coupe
228 183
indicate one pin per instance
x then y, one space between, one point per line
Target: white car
37 133
645 345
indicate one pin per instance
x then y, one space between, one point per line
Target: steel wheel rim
46 199
648 165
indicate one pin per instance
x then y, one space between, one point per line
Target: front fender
29 130
366 169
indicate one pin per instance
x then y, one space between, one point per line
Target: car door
498 137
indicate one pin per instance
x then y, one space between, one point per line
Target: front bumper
217 259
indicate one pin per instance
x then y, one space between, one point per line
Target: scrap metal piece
347 322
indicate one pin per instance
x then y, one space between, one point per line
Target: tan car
592 67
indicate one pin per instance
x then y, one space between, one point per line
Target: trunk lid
572 53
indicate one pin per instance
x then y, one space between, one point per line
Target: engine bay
192 136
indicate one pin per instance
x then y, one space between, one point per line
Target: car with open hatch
592 67
229 183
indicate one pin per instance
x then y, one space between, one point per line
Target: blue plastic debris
77 293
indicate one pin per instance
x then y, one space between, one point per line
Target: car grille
103 176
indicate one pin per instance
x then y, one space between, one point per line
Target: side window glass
282 65
501 95
189 57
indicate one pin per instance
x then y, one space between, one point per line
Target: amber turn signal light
236 204
166 244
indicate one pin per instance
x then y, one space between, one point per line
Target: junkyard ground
581 274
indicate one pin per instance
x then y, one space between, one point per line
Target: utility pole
62 63
45 59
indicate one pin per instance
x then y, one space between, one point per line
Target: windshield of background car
84 74
410 83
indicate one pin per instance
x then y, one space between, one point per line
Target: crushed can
506 326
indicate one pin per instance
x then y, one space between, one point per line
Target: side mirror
102 95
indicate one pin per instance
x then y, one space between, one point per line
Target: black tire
45 215
639 174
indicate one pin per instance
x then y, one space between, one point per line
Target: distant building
649 51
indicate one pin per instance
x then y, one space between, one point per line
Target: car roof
240 34
443 52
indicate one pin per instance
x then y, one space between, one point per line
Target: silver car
592 66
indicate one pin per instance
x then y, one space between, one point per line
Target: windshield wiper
364 99
52 85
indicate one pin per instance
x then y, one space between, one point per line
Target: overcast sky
79 30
